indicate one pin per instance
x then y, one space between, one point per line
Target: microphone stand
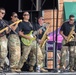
36 48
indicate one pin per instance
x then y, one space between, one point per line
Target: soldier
25 29
14 44
3 39
40 34
65 32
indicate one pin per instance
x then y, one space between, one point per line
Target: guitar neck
37 32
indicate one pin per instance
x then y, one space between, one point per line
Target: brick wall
69 0
48 15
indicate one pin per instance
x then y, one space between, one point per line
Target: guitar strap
30 25
4 23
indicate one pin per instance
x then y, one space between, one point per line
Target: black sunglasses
15 16
42 19
72 19
2 12
26 15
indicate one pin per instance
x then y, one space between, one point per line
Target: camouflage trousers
44 54
26 50
3 50
72 56
14 50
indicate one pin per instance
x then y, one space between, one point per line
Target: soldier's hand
20 32
73 32
65 37
48 38
39 41
29 37
40 31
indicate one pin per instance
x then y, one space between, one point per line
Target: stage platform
34 73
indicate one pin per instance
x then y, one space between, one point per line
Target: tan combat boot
43 70
71 69
1 69
13 70
31 69
18 70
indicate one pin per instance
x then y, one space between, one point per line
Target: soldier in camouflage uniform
40 34
3 39
14 44
65 31
25 28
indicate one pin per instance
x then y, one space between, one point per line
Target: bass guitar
32 34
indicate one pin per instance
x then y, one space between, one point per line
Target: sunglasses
2 12
42 19
71 19
15 16
26 15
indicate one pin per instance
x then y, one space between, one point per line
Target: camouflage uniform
64 51
3 50
43 52
26 51
14 50
72 56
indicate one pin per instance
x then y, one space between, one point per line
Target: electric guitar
32 34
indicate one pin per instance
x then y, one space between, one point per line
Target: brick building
48 14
